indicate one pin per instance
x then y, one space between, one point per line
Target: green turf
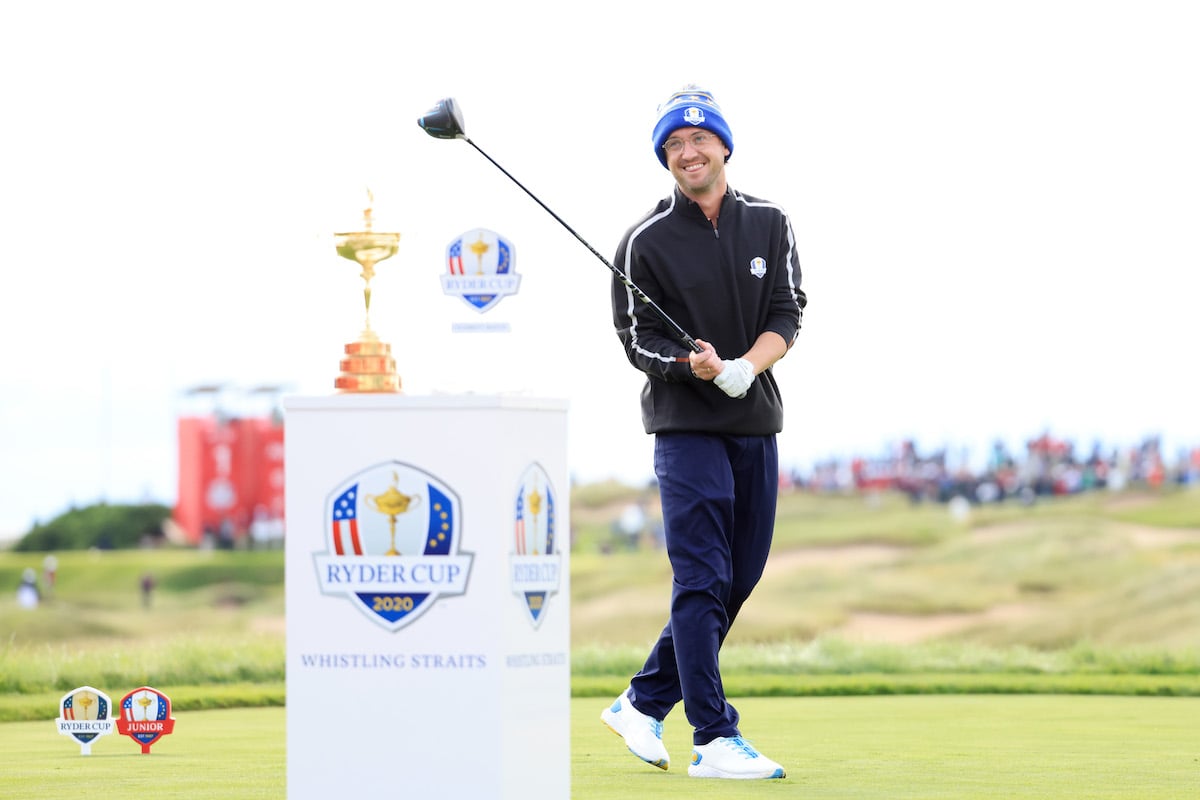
960 747
1099 593
226 755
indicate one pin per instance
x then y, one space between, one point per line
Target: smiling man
723 264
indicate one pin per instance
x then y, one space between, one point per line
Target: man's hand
736 377
732 376
706 364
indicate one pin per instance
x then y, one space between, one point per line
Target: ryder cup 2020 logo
481 269
535 562
392 539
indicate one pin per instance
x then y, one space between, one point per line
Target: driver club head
444 120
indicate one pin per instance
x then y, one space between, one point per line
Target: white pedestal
442 670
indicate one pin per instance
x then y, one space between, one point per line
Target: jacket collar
690 208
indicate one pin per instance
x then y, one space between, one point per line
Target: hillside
1113 570
1110 569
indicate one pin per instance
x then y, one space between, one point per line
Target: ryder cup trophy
368 365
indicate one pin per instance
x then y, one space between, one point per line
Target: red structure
231 480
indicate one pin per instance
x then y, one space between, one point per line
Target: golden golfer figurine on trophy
368 365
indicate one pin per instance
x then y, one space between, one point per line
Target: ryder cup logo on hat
84 715
690 107
481 269
535 560
392 537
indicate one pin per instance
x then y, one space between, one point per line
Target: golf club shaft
679 332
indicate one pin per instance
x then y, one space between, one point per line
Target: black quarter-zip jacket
726 285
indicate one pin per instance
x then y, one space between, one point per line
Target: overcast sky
996 206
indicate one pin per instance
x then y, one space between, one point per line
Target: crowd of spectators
1049 466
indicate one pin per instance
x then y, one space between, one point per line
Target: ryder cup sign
392 537
145 717
428 597
535 563
481 269
85 714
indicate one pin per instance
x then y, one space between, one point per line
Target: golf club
444 121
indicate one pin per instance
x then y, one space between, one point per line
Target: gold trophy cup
392 503
535 508
369 365
86 700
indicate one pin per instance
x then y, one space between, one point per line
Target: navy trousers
718 502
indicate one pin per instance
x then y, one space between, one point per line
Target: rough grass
1100 568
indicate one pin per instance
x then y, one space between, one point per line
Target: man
723 265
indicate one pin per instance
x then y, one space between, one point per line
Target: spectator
148 584
28 595
50 572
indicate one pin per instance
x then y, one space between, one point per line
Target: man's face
696 158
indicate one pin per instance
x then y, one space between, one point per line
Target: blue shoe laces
738 743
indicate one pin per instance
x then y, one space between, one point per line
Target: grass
863 594
1064 661
926 747
1116 570
222 755
960 747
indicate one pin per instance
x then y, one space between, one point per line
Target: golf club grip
679 332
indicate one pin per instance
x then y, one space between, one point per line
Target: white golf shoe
642 734
732 757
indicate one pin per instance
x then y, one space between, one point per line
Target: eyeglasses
698 139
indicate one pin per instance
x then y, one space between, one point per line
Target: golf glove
735 378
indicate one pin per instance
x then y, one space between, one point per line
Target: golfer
723 265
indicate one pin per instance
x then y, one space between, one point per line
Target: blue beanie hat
690 106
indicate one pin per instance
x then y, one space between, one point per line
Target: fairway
956 746
224 754
959 747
